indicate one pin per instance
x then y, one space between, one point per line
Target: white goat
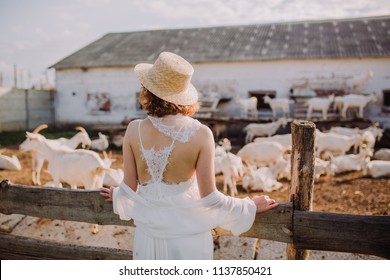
261 153
10 163
382 154
75 167
101 143
263 129
374 129
261 179
221 149
279 104
338 103
248 107
113 176
352 162
359 82
281 168
37 160
335 143
321 167
283 139
117 140
356 101
377 169
232 168
319 104
347 131
369 139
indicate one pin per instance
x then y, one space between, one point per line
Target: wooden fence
291 222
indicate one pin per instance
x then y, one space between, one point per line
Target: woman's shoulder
132 127
204 132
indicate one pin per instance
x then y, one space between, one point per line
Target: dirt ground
348 193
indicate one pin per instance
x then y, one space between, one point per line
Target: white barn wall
229 79
281 75
73 86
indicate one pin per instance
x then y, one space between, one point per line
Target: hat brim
187 97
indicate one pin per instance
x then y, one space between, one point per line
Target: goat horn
39 128
82 129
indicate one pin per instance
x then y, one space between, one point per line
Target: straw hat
169 78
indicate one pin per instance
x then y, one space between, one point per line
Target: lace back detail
179 128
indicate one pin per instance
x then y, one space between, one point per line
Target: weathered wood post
302 176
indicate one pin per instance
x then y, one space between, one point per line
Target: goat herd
260 164
248 106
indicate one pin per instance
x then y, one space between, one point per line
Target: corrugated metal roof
359 37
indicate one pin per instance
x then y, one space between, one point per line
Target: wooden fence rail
306 230
293 222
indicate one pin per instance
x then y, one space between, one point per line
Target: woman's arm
130 170
205 173
129 166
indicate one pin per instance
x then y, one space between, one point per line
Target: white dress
172 221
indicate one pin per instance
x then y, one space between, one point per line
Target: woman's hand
264 203
107 193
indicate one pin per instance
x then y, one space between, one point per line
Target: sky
35 34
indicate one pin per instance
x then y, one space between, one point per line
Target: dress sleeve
127 203
230 213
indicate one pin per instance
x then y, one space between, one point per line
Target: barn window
386 99
259 94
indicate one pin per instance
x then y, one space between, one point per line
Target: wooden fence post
302 176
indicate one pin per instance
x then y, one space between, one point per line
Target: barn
97 85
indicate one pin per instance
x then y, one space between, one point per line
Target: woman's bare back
181 162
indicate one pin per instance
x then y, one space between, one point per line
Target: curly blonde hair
158 107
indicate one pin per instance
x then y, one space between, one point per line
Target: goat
263 129
75 167
376 131
231 167
117 140
321 167
377 168
382 154
358 83
319 104
345 130
353 162
338 103
281 168
356 101
101 143
10 163
261 179
248 107
112 176
279 104
261 153
72 143
283 139
335 143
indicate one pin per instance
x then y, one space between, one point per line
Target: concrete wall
108 95
22 109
